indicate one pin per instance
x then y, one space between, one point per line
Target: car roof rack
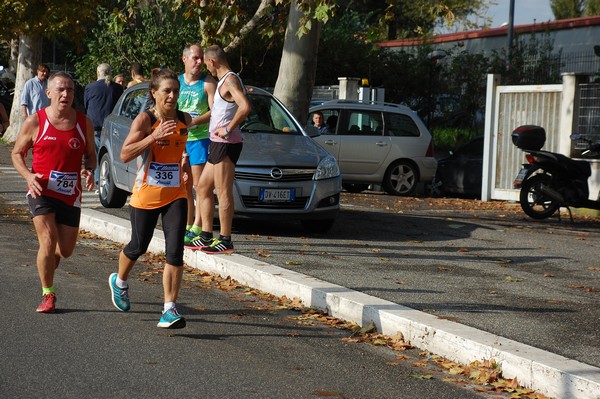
368 102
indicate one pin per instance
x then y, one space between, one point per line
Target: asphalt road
484 266
237 343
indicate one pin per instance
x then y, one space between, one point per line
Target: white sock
168 305
121 283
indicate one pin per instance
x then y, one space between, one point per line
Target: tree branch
252 23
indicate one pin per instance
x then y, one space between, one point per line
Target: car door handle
381 144
330 142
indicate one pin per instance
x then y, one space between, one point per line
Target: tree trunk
14 55
30 55
298 65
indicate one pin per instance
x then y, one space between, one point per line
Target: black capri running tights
143 222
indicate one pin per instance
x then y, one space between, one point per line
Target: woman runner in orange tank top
157 139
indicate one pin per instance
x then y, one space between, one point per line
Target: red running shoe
47 305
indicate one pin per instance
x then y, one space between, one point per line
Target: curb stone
550 374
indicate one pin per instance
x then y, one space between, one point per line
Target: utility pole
511 28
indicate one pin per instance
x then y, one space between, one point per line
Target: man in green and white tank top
197 88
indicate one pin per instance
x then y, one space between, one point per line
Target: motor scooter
550 181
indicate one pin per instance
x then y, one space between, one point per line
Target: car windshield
268 116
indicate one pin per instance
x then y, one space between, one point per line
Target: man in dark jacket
99 99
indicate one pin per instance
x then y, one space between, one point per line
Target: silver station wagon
377 143
281 173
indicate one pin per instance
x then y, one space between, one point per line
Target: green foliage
531 61
592 7
445 138
563 9
46 18
405 76
153 36
466 76
345 49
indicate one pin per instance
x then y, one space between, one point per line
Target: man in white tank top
228 111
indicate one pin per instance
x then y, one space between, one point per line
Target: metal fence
588 121
581 62
548 69
325 92
516 106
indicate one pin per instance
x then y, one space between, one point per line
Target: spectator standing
229 109
60 138
99 99
4 120
197 90
120 80
157 138
137 74
34 95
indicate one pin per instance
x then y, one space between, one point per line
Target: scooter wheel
534 202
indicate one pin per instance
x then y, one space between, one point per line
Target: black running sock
206 235
226 239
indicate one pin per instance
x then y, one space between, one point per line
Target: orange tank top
159 179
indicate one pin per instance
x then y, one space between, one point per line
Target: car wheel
110 195
401 178
317 226
355 188
435 189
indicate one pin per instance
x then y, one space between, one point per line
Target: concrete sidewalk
553 375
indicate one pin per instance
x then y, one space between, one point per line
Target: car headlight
327 168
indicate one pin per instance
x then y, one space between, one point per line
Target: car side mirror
311 130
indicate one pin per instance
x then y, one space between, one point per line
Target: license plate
277 195
519 179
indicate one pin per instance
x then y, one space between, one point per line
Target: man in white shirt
34 95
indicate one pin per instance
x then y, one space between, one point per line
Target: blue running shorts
198 151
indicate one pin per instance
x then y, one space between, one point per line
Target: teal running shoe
171 319
120 296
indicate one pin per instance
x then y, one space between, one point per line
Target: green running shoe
218 247
198 243
189 237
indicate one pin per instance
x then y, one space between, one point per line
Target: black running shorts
218 151
65 214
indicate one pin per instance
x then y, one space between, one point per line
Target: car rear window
401 125
364 123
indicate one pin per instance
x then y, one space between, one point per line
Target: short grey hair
188 47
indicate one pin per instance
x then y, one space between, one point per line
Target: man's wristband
226 133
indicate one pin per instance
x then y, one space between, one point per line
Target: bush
445 139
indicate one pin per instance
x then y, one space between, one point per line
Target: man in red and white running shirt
63 151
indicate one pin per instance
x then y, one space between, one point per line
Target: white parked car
377 143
